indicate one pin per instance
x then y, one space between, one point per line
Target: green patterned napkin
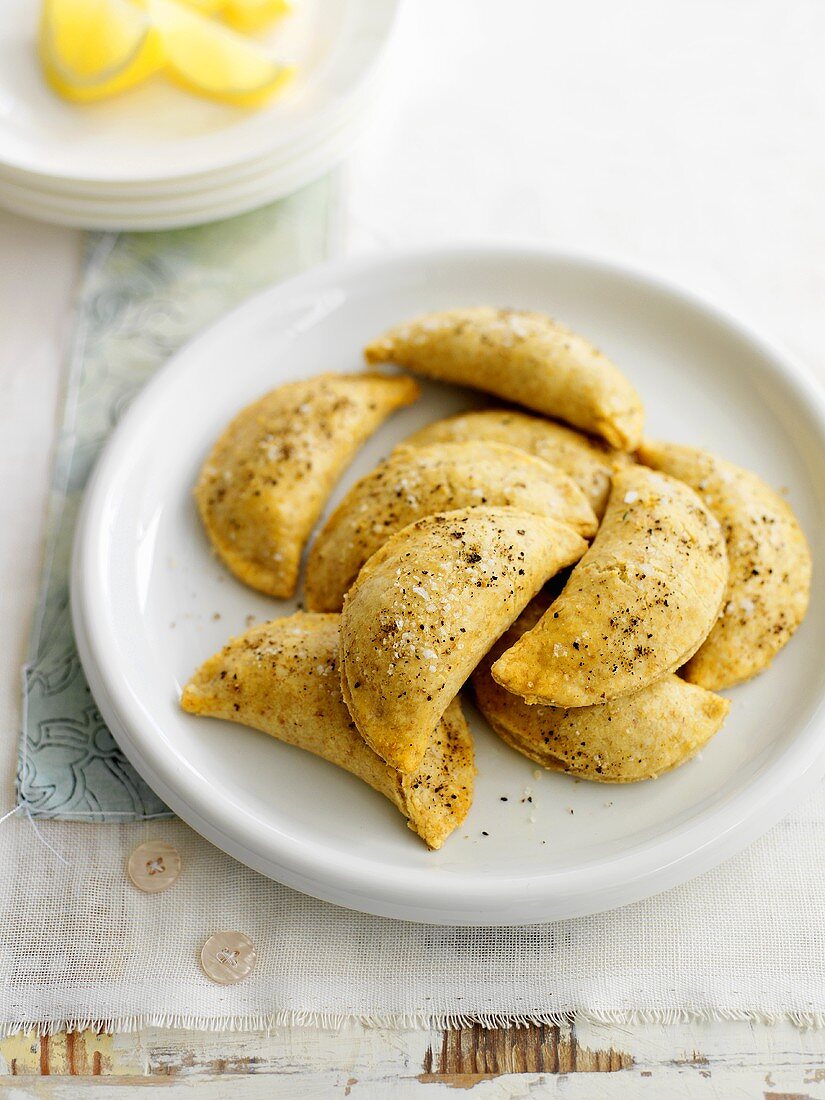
142 297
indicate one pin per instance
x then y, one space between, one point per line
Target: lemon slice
214 61
253 15
94 48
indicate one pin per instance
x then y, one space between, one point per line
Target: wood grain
74 1054
471 1054
688 1060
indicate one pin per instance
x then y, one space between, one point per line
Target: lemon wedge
213 60
253 15
206 7
90 49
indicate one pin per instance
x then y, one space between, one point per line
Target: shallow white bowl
146 592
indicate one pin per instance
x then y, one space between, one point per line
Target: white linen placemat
80 945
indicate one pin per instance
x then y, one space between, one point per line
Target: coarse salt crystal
630 496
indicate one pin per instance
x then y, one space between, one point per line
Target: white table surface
685 136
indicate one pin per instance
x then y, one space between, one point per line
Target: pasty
426 608
770 565
266 481
418 482
634 737
588 461
523 357
282 678
636 607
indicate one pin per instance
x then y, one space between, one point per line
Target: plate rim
225 202
412 894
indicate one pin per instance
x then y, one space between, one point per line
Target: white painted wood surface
727 1061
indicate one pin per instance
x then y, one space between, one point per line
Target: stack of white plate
158 157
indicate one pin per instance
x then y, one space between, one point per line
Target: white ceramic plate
146 592
158 132
184 209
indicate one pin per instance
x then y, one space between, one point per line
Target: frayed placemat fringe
438 1021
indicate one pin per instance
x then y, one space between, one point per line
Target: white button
228 957
154 866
